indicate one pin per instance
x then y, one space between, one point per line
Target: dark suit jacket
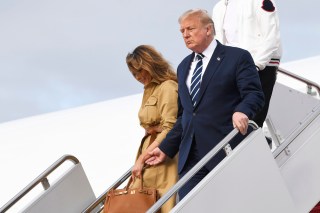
229 84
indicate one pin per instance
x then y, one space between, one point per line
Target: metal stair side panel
248 180
70 194
301 171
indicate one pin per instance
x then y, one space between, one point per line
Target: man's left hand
240 121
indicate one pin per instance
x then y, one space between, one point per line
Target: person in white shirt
252 25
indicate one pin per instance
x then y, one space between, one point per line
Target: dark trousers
268 78
192 160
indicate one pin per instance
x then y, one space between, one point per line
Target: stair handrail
309 83
42 178
102 197
223 143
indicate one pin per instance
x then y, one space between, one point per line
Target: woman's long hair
145 57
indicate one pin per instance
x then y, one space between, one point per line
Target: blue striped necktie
196 79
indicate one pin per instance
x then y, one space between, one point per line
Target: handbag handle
131 180
153 137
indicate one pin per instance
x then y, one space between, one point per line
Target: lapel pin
218 58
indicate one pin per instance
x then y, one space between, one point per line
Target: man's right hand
156 157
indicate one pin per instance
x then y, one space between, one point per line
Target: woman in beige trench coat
157 115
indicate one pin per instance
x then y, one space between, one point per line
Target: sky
60 54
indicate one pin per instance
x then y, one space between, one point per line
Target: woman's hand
140 163
137 169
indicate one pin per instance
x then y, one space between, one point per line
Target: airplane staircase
250 179
69 192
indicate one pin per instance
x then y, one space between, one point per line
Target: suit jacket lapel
212 67
183 78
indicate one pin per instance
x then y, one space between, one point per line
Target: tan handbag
128 200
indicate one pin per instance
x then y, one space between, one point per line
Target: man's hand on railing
156 156
240 121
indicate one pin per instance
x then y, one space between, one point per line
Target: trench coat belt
154 129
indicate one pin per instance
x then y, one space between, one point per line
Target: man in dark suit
230 94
